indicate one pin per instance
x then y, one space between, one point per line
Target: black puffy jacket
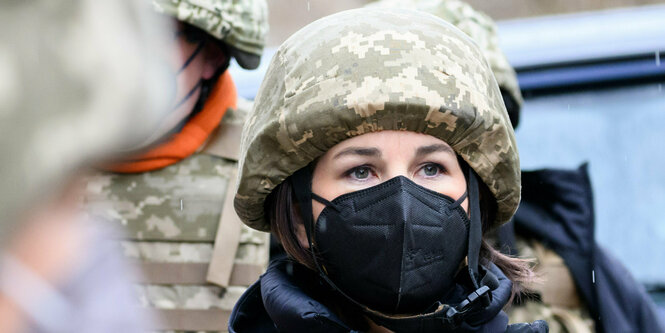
290 298
557 210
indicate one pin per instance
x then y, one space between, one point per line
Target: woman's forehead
376 142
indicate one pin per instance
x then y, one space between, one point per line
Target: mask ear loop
459 201
191 58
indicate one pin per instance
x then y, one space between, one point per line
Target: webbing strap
475 229
226 240
302 184
193 273
191 319
224 141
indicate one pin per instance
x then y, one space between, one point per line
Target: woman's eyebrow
362 151
426 150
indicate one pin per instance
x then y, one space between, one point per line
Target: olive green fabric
171 215
181 202
71 82
368 70
555 298
480 27
242 24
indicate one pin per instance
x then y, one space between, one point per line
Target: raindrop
660 87
593 276
307 5
180 204
568 106
658 58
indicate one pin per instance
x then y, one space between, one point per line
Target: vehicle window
619 131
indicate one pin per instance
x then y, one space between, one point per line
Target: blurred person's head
75 86
483 31
207 36
79 80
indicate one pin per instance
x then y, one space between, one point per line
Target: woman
378 152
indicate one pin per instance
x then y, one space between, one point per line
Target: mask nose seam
404 221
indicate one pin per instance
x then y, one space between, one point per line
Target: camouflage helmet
480 27
240 24
362 71
71 82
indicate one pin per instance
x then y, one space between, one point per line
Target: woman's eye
360 172
430 170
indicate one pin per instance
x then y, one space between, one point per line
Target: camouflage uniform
563 313
556 298
172 215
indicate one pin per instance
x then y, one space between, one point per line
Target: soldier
379 152
568 294
71 81
174 198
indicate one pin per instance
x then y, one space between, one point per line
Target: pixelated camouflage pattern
559 320
179 202
242 24
252 250
188 297
363 71
159 229
477 25
534 305
71 82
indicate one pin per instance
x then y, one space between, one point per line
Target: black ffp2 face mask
395 247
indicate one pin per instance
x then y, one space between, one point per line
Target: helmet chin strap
475 228
445 316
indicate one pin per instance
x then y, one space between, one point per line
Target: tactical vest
196 257
555 299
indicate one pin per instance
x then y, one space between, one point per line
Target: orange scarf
195 132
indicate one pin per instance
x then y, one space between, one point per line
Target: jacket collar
290 298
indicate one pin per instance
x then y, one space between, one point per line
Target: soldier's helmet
482 29
368 70
241 24
74 86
